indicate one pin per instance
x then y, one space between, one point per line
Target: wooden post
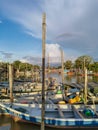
84 64
48 69
48 66
85 86
62 62
62 73
43 70
7 72
11 82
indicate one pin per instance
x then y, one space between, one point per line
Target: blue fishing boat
59 116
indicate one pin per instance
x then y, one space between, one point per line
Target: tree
78 64
68 64
3 71
83 61
16 64
94 66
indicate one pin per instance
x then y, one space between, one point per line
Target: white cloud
24 60
31 60
7 55
53 52
65 18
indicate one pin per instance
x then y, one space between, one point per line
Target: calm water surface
6 123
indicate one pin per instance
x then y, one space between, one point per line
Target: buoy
89 112
59 92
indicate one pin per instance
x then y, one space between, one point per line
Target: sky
71 25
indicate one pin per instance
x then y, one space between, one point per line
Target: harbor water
7 123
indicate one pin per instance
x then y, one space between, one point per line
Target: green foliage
83 61
18 65
78 63
94 67
68 64
36 67
95 90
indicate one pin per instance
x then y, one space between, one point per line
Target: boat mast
11 82
43 70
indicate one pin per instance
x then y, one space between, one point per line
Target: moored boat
59 116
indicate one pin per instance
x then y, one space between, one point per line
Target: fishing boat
58 116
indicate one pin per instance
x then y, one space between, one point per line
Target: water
7 123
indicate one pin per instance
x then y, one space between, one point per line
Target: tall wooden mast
43 70
11 82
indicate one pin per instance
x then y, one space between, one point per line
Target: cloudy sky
71 25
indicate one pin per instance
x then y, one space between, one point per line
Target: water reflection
23 126
4 120
72 78
28 126
95 79
79 79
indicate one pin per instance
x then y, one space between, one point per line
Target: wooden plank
77 112
60 112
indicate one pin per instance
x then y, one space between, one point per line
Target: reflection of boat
5 122
82 74
70 73
95 74
59 116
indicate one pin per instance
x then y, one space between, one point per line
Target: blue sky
71 25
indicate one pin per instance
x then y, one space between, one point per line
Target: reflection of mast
43 70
